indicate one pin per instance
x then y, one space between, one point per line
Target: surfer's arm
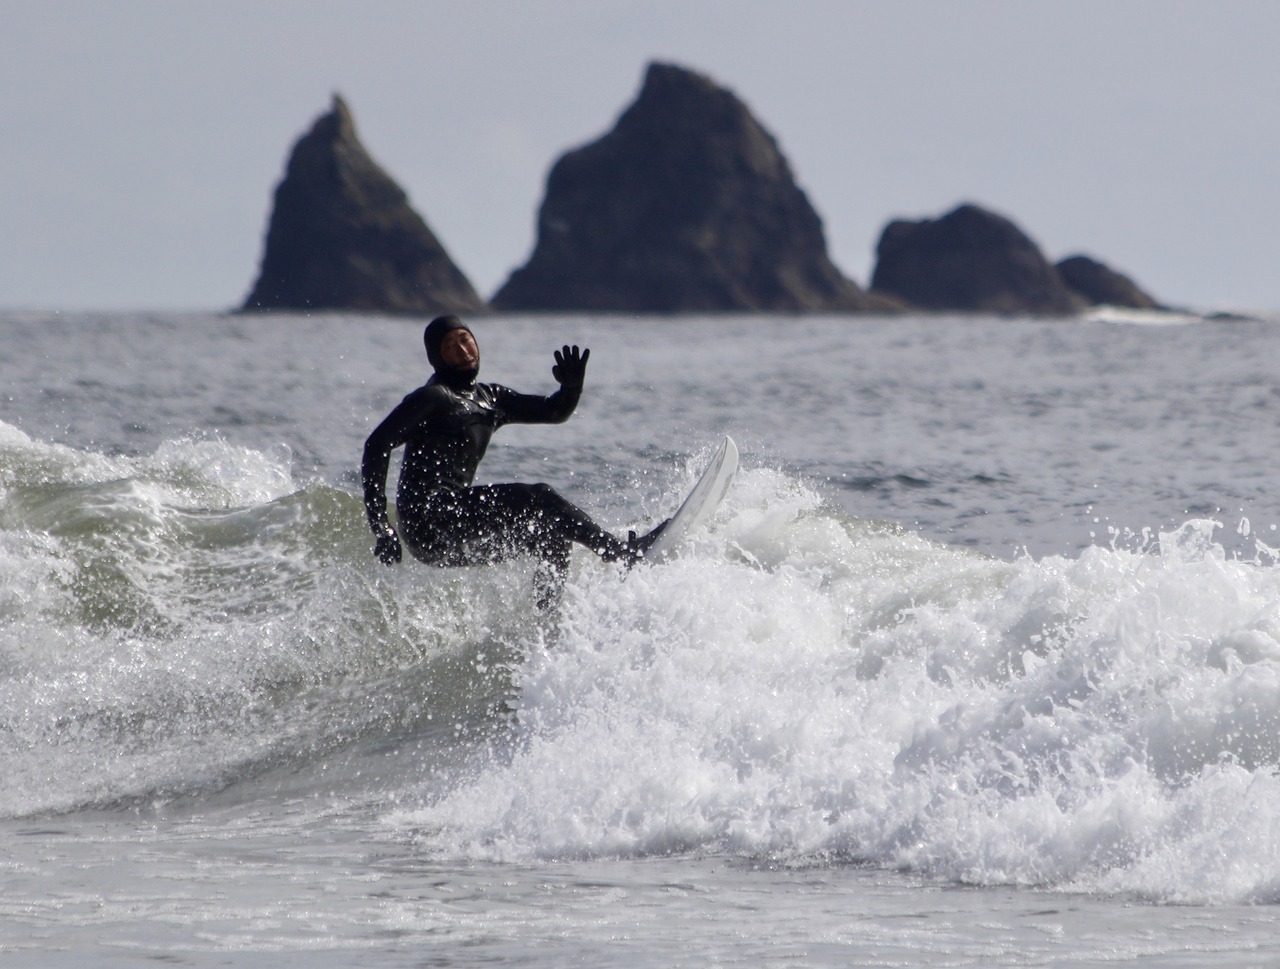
570 372
534 409
393 432
373 475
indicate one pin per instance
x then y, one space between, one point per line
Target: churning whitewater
977 664
801 685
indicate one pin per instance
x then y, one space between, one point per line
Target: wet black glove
387 547
570 369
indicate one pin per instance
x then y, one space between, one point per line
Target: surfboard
703 500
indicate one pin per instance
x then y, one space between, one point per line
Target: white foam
799 684
808 684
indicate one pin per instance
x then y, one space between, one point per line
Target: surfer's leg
478 527
489 523
533 520
452 529
541 521
549 577
583 530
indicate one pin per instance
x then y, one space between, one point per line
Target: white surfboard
703 500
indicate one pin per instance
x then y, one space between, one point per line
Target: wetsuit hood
434 336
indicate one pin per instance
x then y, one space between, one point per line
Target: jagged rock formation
970 260
1100 285
343 236
687 205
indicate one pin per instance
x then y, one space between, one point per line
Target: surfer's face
460 351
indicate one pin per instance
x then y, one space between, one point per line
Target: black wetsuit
445 427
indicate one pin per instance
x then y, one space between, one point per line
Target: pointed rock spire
687 205
342 235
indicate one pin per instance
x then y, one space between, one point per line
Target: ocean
977 665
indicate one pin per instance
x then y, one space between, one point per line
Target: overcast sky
142 139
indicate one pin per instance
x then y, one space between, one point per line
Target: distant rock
687 205
970 260
343 236
1100 285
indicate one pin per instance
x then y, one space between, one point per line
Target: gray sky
142 139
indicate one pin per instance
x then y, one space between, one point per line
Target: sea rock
1100 285
343 236
687 205
969 260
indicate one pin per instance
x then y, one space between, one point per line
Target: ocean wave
176 623
799 686
805 688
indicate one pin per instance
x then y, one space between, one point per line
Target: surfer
445 426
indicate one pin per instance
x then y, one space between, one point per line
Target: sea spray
177 622
799 686
806 687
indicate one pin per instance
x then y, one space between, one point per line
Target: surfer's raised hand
571 367
387 547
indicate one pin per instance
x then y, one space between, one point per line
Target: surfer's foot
638 545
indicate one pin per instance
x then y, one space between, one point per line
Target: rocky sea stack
342 236
1100 285
687 205
970 260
